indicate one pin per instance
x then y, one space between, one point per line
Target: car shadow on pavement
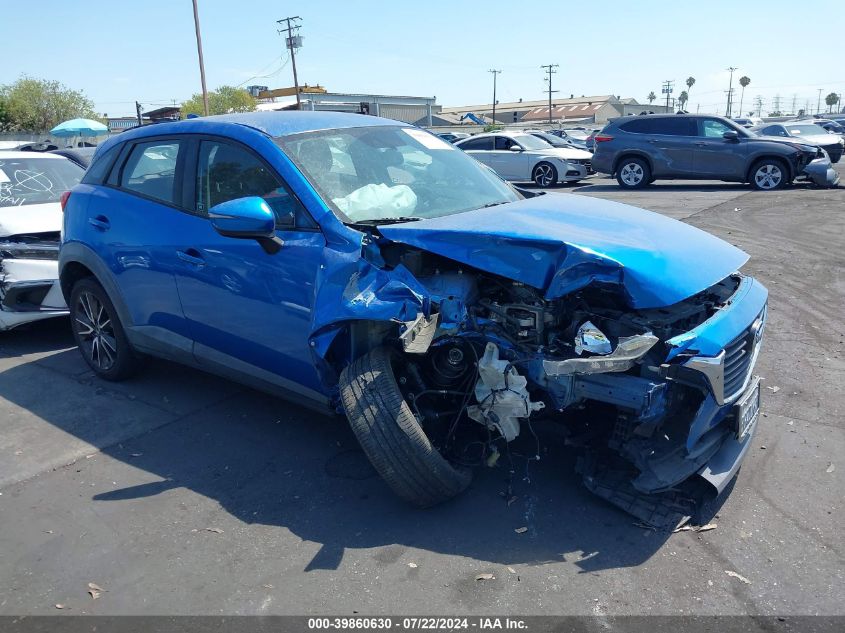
272 463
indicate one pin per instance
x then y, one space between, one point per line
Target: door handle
101 223
191 256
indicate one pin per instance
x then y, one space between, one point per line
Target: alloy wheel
96 331
631 174
543 175
769 176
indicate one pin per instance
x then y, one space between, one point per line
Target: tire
768 174
391 436
544 175
633 173
98 332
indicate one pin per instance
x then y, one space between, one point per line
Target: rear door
716 156
667 140
134 225
247 309
481 149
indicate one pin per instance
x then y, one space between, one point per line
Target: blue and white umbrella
79 127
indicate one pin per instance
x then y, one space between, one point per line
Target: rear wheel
391 435
99 333
544 174
769 174
633 173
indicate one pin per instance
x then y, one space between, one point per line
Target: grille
738 355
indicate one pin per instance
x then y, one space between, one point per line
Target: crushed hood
562 242
30 218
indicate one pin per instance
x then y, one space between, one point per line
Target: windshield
36 180
376 173
551 139
804 130
530 142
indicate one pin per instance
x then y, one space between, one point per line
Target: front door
717 156
247 309
510 164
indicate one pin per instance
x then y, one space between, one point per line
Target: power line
550 70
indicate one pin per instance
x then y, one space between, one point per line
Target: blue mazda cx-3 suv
366 267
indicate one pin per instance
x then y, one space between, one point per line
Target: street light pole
202 64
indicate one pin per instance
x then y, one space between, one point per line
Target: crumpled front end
653 385
29 279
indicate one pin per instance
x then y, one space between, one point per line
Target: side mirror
246 218
731 135
515 148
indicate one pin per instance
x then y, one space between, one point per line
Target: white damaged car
32 189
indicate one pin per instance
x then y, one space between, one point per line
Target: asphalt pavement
181 493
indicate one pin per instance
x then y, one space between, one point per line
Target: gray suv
639 150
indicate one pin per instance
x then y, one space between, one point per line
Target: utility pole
794 102
667 90
758 101
138 112
495 72
289 42
550 70
777 104
202 64
819 102
729 109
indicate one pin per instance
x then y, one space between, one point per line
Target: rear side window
99 169
227 172
150 170
477 144
668 126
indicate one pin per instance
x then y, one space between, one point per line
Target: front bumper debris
29 284
821 172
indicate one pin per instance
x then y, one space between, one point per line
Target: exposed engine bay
494 355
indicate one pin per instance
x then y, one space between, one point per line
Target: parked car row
362 265
639 150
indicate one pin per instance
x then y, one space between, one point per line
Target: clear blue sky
117 52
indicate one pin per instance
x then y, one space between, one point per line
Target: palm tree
682 99
831 100
743 81
651 97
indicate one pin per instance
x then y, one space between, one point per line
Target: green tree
831 100
221 101
38 105
682 99
651 97
743 81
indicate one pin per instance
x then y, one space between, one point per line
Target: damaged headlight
591 339
629 350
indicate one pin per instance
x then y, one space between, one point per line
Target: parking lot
180 493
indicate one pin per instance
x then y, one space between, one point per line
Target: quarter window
150 170
227 172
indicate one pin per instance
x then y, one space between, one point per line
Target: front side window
227 172
367 174
36 180
504 143
773 130
711 128
150 170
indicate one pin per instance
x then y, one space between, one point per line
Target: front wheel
544 174
391 435
633 173
99 333
768 174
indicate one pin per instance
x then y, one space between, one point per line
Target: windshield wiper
377 221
